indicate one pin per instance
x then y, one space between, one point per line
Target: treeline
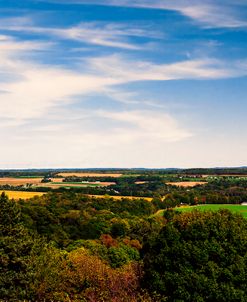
127 178
216 171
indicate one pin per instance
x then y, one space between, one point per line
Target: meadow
241 209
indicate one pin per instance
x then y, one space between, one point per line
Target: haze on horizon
140 83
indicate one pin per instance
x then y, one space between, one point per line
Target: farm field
61 184
187 183
21 194
55 182
80 184
19 181
89 174
214 207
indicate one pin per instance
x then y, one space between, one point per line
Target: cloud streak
130 71
29 89
115 35
210 13
35 115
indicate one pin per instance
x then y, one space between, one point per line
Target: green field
214 207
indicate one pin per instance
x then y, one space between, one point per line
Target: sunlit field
21 194
214 207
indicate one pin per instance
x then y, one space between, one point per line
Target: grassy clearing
215 207
21 194
210 207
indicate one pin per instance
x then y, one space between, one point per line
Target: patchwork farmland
53 182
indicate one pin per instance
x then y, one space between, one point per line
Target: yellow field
21 194
120 197
186 184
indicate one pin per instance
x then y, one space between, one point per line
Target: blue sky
123 83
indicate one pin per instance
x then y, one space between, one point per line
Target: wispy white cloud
108 35
10 45
210 13
57 115
129 71
213 15
35 114
114 35
133 98
37 98
152 125
93 138
35 107
31 89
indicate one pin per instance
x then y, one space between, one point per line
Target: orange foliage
89 278
133 243
108 241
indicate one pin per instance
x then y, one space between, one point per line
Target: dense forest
66 246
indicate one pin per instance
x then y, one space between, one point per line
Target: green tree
199 256
118 229
23 270
15 247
